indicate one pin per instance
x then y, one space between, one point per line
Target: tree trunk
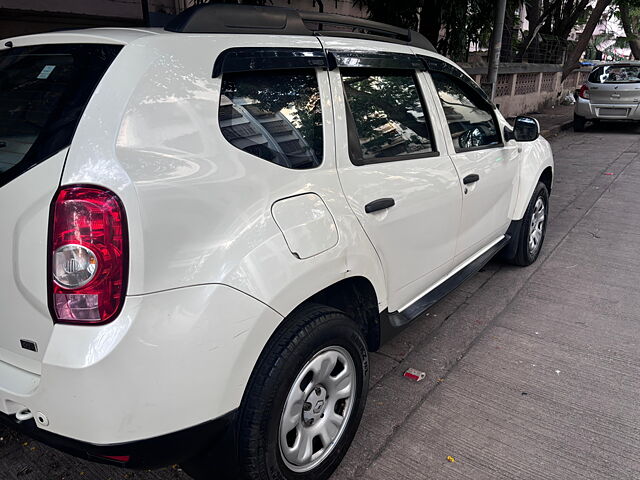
574 55
632 36
430 20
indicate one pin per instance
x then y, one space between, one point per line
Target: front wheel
306 398
533 228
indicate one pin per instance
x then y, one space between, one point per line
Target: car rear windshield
615 74
43 92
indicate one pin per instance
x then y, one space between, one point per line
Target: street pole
496 46
145 13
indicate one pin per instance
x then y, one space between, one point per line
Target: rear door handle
473 178
380 204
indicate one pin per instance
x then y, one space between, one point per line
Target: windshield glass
43 91
616 74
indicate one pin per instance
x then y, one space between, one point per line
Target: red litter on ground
609 173
414 374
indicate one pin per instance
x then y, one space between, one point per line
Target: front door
486 166
397 178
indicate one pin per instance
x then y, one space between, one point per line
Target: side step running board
421 305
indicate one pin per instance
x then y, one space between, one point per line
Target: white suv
206 228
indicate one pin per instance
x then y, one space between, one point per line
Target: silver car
612 92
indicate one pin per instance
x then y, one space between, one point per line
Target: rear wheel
304 403
579 123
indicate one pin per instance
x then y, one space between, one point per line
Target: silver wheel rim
536 227
317 409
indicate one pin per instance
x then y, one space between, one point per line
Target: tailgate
43 92
24 215
615 94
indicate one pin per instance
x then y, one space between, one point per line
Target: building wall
527 87
130 9
343 7
22 17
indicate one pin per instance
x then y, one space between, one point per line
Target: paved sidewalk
553 120
532 373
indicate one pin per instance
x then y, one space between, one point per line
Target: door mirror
526 129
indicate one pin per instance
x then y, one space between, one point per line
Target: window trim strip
377 60
436 65
247 59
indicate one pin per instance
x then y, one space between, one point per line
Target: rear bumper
171 361
615 111
216 435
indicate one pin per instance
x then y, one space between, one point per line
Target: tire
322 351
579 123
527 250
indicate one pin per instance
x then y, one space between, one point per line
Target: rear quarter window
43 92
274 115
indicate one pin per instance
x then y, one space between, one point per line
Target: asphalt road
531 373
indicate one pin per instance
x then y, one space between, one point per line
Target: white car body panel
211 235
24 216
205 230
151 371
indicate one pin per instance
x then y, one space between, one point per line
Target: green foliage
402 13
462 21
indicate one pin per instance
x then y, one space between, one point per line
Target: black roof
221 18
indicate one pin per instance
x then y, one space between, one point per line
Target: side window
274 115
471 122
387 114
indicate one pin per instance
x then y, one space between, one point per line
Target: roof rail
221 18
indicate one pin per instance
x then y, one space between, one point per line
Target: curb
556 129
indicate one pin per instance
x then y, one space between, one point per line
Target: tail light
584 92
88 255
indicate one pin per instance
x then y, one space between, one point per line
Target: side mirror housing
526 129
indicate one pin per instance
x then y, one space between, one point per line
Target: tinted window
43 91
274 115
616 74
470 120
388 114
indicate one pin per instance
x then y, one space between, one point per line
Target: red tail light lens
88 255
584 92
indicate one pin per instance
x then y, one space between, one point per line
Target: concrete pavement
531 373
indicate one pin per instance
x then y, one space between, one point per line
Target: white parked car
206 228
611 92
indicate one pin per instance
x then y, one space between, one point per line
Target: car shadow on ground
612 126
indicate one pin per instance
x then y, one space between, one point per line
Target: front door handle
380 204
473 178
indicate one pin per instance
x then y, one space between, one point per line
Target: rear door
43 91
398 179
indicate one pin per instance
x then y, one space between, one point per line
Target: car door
396 176
487 167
